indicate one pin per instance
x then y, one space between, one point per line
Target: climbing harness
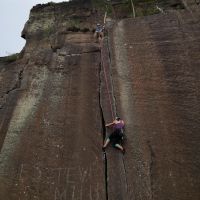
105 63
99 32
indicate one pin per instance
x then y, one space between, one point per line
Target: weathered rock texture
50 116
156 80
56 98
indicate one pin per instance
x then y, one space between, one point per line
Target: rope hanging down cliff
100 34
106 79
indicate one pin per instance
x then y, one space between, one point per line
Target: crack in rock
151 164
15 87
104 133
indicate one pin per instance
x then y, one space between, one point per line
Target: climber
117 136
99 32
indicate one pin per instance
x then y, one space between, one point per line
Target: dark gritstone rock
50 119
156 80
58 93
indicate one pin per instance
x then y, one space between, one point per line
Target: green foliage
126 8
51 3
11 58
100 4
74 23
145 7
109 9
48 31
145 11
148 7
144 1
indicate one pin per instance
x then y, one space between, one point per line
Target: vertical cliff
155 73
57 96
50 115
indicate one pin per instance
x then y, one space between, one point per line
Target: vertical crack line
115 105
103 133
16 86
151 163
54 28
111 78
18 82
108 83
124 167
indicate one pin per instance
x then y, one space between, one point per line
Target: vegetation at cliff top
142 7
10 58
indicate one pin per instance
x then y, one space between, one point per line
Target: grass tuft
11 58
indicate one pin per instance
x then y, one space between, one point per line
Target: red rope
104 70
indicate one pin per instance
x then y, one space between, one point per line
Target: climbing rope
103 66
105 76
105 15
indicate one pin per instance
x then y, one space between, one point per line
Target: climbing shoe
103 148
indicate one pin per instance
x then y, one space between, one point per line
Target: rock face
155 74
56 98
51 118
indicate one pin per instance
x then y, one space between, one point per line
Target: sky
13 16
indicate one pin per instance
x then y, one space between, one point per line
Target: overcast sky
13 15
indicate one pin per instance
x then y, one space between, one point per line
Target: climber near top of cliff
99 32
116 136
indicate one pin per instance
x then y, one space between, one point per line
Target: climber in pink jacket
117 135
